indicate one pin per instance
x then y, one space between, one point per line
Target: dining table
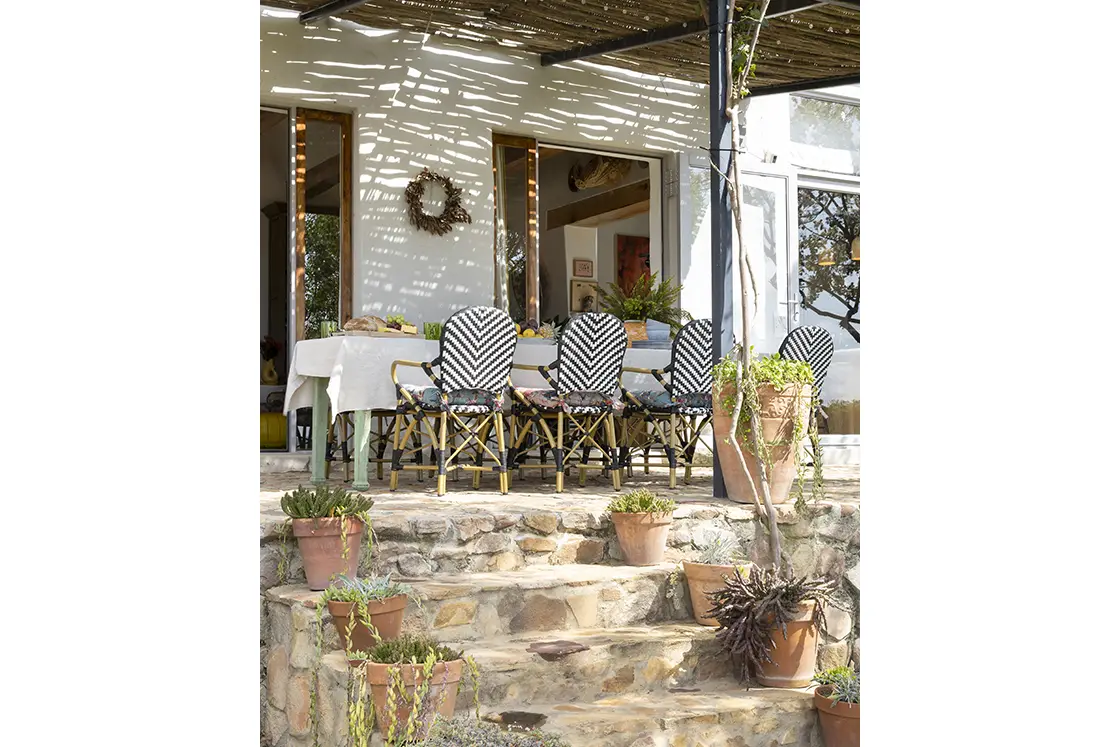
350 373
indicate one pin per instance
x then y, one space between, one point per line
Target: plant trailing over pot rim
327 524
837 702
769 624
779 393
642 521
412 680
366 611
719 558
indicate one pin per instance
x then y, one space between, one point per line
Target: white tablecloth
358 369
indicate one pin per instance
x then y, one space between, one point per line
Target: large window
828 238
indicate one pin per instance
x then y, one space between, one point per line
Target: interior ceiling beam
329 9
671 32
805 85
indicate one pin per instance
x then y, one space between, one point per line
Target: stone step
717 713
657 691
473 606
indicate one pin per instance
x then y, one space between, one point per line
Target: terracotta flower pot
795 655
702 578
778 410
320 546
642 536
442 692
840 722
386 615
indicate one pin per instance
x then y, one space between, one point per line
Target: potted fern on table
327 524
648 309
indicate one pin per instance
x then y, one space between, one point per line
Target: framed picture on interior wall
585 295
631 259
583 268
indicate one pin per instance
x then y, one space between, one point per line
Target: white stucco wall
430 101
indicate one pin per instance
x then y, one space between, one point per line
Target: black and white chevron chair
813 345
475 356
575 413
672 418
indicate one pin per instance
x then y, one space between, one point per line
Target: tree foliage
323 272
828 222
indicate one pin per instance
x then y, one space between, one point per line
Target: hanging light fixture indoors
855 248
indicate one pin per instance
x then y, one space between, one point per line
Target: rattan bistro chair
475 356
676 414
574 414
813 345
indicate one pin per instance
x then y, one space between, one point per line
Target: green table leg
320 421
361 450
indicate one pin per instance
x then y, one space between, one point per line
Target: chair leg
395 465
441 457
558 452
671 451
616 478
476 479
503 456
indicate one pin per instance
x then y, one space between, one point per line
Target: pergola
803 45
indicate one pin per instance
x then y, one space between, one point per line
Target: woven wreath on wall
453 211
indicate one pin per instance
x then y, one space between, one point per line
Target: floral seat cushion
575 403
658 400
467 401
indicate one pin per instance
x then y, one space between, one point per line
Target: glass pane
322 238
764 228
275 279
512 230
828 223
824 135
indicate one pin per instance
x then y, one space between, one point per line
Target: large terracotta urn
780 410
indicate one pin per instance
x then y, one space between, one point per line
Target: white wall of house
431 101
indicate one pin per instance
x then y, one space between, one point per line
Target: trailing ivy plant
641 501
843 683
325 502
749 607
360 593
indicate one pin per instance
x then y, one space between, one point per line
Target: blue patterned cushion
657 400
576 403
469 401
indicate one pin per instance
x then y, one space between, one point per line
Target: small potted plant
412 679
769 624
718 559
648 309
837 702
366 611
642 522
327 524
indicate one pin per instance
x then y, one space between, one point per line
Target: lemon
529 333
518 327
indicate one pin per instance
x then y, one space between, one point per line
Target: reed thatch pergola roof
803 44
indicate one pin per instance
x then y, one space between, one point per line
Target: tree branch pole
748 289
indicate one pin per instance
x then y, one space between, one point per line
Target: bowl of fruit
536 334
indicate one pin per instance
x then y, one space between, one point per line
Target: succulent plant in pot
718 559
366 611
769 624
837 702
412 680
642 522
327 523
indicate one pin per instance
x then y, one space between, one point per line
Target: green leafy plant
645 299
432 330
720 548
843 683
749 608
471 733
411 649
324 502
641 501
363 591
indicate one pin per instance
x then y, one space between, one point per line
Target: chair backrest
813 345
692 359
591 351
476 349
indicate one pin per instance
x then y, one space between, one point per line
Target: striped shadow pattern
812 345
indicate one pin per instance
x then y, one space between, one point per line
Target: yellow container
274 430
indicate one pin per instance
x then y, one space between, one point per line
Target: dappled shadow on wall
434 104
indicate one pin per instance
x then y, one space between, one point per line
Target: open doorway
568 220
305 250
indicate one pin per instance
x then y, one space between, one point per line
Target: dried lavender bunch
749 608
